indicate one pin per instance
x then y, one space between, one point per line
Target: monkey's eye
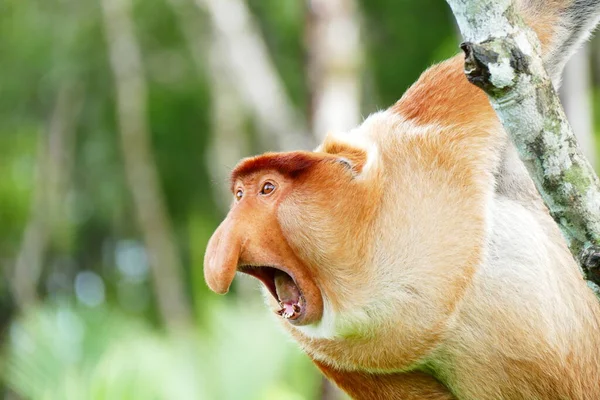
267 188
239 194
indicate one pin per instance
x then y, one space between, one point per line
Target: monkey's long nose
221 258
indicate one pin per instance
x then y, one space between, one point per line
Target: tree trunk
139 164
524 98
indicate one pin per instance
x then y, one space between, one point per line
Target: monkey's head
364 246
297 224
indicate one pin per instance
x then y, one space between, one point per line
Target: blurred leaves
403 38
64 351
115 348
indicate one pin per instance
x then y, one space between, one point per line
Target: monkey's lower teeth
288 311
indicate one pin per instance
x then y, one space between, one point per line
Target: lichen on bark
503 57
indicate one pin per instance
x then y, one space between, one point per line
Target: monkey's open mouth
283 288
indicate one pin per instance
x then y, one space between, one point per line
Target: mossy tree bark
503 57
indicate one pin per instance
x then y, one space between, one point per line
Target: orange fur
291 164
404 386
428 263
357 157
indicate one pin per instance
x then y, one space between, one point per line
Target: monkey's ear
354 168
350 156
346 163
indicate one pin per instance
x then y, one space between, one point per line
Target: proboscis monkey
412 257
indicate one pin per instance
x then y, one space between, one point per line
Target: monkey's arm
401 386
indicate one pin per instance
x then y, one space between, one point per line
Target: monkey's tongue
288 295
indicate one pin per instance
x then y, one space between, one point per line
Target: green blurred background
119 120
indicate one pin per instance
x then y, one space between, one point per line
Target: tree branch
503 57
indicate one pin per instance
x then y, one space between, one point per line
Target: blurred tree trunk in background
254 74
53 176
576 97
216 80
229 141
139 164
334 69
229 137
334 65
